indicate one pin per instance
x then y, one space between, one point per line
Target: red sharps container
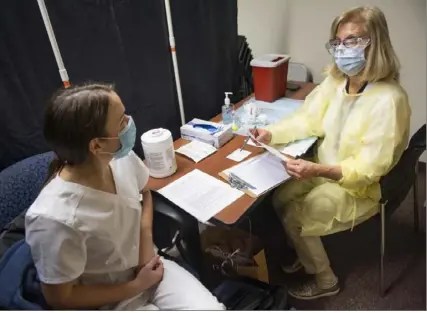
270 73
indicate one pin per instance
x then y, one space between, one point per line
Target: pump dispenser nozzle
226 99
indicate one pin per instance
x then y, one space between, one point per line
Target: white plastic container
159 152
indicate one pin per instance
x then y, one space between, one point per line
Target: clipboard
246 190
270 178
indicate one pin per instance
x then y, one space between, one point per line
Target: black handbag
248 294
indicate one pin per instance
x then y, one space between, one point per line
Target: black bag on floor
244 293
249 294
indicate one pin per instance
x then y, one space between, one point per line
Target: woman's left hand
301 169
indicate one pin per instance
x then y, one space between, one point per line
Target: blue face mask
127 140
350 61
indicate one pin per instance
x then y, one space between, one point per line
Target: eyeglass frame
360 41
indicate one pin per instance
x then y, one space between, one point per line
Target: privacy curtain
124 42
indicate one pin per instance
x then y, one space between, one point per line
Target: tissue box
216 138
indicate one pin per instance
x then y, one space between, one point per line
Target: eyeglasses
333 44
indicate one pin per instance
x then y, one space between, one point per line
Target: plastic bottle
227 110
159 153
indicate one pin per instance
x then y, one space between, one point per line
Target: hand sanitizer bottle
227 110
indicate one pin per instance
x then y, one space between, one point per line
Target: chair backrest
396 185
243 84
418 140
20 184
299 72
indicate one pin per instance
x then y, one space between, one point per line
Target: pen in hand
247 138
255 132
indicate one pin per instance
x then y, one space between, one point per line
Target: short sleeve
58 251
141 170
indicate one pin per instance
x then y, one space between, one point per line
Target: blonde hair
381 60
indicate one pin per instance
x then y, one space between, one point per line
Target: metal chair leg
416 206
382 250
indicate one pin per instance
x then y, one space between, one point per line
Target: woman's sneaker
311 291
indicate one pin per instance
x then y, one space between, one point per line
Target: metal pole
174 61
55 48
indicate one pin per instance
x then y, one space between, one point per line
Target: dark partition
124 42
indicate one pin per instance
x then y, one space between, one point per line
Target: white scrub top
78 232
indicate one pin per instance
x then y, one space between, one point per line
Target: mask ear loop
130 121
106 138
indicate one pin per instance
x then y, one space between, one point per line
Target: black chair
396 185
175 228
243 84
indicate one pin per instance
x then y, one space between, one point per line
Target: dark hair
73 117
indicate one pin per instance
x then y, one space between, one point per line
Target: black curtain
124 42
206 45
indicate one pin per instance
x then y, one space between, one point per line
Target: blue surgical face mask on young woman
350 61
127 138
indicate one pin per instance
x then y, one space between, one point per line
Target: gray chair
298 72
396 185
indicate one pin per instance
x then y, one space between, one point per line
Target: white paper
196 150
263 172
238 155
272 150
294 149
251 143
200 194
297 148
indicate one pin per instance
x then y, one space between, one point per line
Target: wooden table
218 162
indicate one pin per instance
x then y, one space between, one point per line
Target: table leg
267 227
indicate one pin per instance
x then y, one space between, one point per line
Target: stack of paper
196 150
263 172
200 194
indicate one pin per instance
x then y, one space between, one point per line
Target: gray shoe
295 267
310 291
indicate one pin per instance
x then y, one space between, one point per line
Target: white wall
264 23
300 29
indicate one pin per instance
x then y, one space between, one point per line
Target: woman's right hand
261 135
149 275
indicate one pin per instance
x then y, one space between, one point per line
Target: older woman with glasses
361 115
